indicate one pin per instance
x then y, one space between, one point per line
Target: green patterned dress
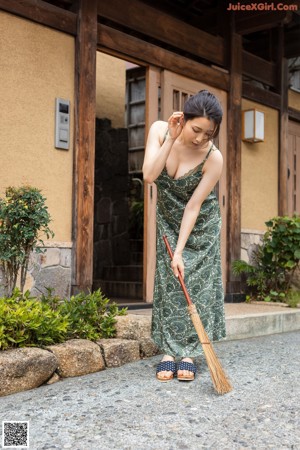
172 328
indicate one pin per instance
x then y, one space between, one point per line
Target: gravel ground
128 409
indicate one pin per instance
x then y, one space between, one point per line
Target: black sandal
169 366
184 365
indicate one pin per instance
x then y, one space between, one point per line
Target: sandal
184 365
166 366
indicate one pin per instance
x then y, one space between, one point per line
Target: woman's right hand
175 124
177 265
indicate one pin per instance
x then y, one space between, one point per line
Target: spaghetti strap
207 154
166 134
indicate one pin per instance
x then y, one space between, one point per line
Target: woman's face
198 131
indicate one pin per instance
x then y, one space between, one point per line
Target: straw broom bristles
219 378
220 381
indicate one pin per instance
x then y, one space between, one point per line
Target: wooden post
283 127
84 160
234 136
150 191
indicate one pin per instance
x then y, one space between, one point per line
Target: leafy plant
293 298
90 315
28 321
274 261
23 218
24 322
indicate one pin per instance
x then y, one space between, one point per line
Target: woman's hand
175 123
177 264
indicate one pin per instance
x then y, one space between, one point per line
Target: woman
185 165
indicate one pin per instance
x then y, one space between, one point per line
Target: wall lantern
253 126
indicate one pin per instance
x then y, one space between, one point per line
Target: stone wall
249 241
51 268
111 240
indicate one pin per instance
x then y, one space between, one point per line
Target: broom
217 373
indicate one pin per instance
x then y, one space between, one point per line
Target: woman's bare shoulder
215 159
158 130
160 125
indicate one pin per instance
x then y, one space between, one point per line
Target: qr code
15 434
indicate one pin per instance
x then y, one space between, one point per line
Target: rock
25 368
133 326
51 257
55 377
296 279
148 348
119 351
59 278
77 357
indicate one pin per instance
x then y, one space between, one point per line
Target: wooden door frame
293 130
82 274
84 148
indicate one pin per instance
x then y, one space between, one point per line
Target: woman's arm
157 153
211 175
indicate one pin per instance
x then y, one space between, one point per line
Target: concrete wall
110 89
259 183
37 65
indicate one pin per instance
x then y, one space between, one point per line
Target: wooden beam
85 113
130 47
259 69
253 21
43 13
291 44
262 96
294 114
234 138
147 20
283 129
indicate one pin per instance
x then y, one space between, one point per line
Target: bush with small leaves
24 218
275 260
25 322
91 316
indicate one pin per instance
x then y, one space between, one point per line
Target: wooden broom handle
186 294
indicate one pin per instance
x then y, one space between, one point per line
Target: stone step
137 304
123 273
120 289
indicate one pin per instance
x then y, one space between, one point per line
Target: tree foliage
24 218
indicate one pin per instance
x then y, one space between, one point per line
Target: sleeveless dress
172 329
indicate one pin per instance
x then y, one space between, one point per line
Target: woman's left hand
177 264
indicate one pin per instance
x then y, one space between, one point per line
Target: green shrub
25 322
90 315
293 298
23 218
274 261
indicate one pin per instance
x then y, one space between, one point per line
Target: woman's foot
166 363
186 370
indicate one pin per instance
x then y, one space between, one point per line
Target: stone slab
77 357
133 326
243 327
25 368
117 352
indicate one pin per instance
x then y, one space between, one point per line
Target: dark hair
204 104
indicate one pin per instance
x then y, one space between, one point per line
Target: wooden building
157 53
